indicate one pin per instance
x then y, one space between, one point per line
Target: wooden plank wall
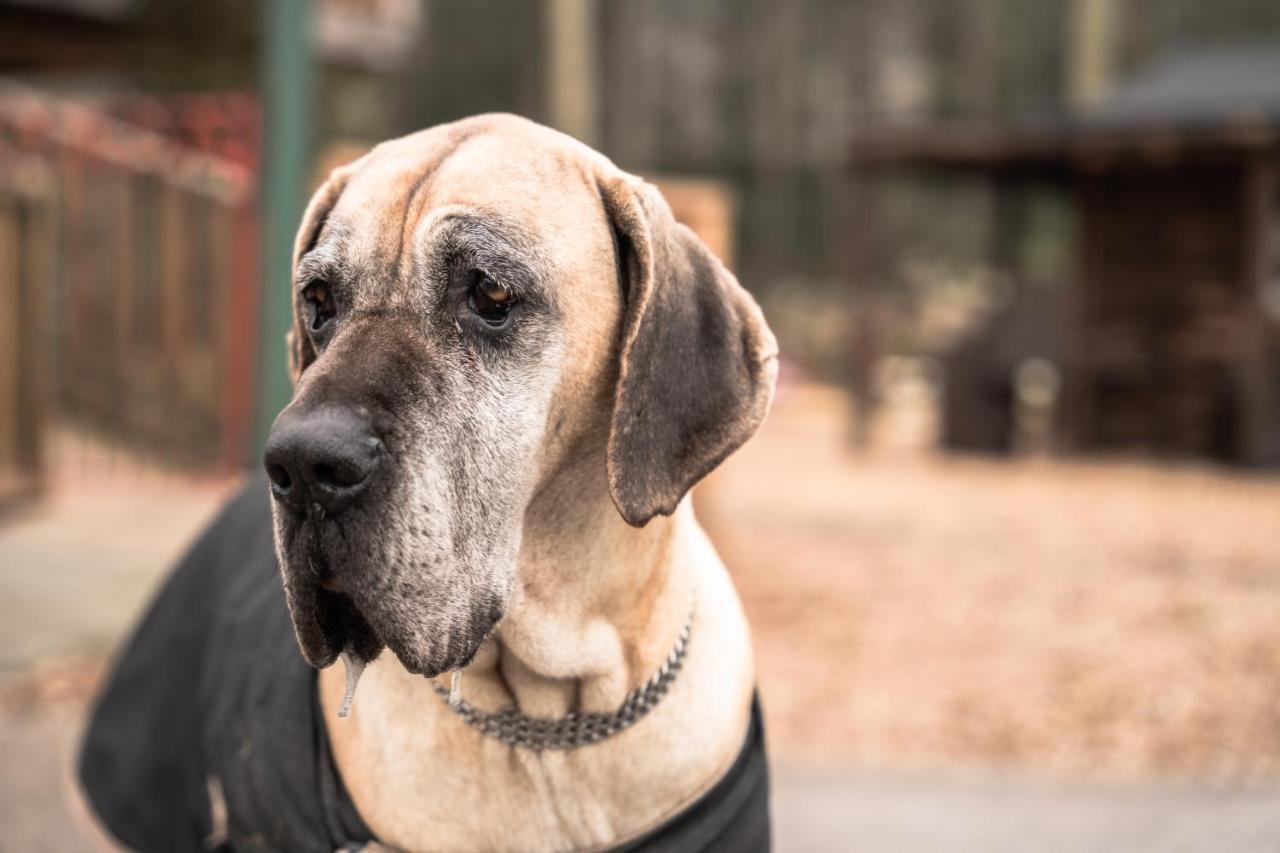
24 249
10 345
1162 307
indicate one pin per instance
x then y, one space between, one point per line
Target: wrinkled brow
505 251
327 259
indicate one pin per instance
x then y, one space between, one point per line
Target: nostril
341 474
280 477
325 475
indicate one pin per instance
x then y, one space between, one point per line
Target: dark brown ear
698 363
298 342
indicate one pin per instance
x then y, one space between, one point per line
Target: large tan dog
512 366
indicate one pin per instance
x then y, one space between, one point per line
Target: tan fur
597 603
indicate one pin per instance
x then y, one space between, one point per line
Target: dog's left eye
321 306
490 301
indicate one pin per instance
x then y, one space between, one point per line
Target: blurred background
1010 539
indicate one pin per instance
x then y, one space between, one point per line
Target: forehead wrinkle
312 266
328 258
419 192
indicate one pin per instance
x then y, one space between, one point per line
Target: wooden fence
128 289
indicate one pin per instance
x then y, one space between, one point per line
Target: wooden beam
1256 375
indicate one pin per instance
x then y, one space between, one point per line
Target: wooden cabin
1171 323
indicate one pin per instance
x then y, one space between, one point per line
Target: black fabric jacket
212 686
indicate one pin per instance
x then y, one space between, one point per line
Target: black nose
326 457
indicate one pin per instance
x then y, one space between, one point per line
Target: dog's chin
339 627
328 623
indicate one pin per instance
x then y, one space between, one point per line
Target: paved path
77 569
842 811
813 810
40 809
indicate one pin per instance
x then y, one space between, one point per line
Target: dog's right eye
321 307
490 301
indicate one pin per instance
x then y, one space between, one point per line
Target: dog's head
479 306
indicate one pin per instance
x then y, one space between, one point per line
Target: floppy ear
297 341
698 363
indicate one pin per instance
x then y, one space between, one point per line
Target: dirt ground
1116 621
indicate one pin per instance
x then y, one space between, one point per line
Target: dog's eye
491 301
321 307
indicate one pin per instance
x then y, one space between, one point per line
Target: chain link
574 730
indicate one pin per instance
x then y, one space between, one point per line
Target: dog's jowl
511 367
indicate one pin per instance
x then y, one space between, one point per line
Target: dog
511 366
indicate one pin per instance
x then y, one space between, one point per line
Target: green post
286 71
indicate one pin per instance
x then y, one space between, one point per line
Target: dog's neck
597 607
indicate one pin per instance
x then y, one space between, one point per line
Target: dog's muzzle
321 462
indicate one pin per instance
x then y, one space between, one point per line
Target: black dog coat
212 691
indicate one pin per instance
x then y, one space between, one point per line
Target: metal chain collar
574 730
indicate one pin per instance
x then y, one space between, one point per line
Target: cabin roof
1221 101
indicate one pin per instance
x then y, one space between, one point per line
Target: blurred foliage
1150 27
995 58
189 46
471 57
